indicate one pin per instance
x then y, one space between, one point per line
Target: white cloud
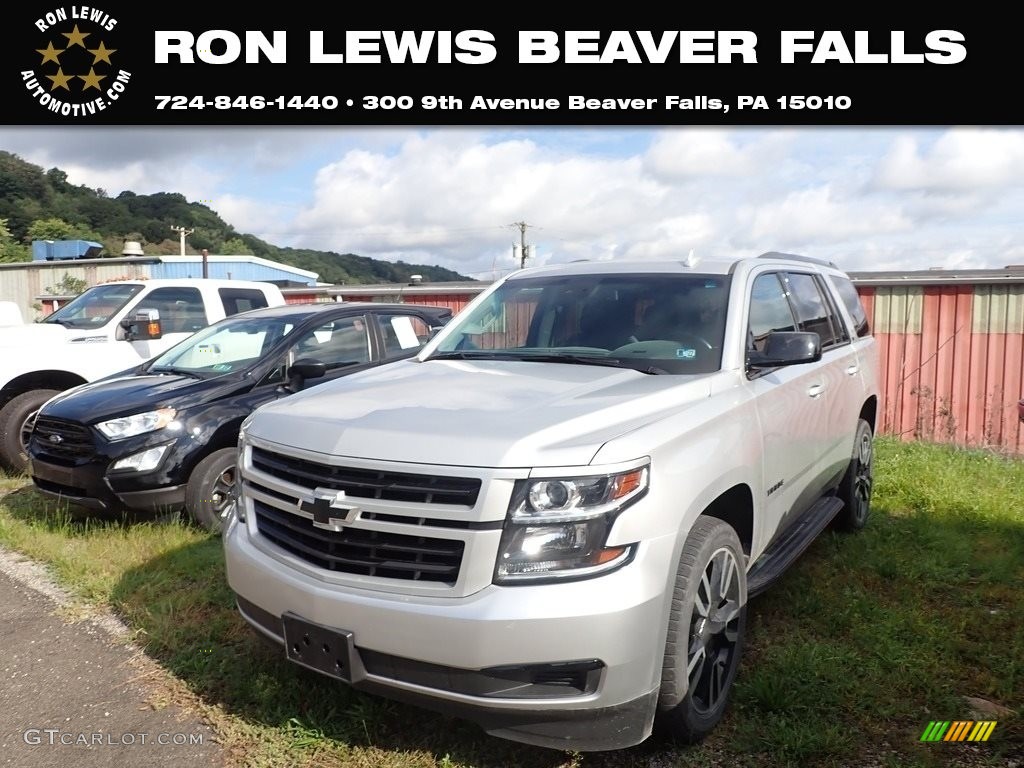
815 215
677 155
961 159
193 180
456 198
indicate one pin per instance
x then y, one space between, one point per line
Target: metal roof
1013 274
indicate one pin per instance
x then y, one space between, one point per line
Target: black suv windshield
95 307
227 346
656 323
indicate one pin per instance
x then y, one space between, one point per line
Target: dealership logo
75 62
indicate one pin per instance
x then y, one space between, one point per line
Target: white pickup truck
103 331
551 519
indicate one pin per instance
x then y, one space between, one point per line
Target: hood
41 334
476 413
125 395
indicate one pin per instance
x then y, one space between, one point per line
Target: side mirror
786 348
304 369
143 326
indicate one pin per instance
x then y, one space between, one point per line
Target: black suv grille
369 483
359 551
62 439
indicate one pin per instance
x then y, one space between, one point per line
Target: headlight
138 424
143 461
557 527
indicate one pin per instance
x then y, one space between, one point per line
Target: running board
781 554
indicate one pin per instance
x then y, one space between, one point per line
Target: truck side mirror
143 326
786 348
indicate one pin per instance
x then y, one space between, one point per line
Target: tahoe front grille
361 551
62 439
368 483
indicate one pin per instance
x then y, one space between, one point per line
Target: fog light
143 461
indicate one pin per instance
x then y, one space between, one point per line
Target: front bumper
91 490
87 482
445 653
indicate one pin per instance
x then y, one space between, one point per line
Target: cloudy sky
887 198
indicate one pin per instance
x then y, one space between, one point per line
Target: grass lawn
849 656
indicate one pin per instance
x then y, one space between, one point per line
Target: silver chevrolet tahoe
550 521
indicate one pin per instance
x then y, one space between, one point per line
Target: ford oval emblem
56 439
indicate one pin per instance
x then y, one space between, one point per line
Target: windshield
94 307
230 345
656 323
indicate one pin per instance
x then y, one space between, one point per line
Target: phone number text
248 102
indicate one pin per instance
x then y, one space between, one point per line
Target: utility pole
184 233
524 249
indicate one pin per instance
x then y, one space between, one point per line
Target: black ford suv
162 435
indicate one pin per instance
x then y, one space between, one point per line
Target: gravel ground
75 691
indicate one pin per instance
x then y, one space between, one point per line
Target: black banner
200 64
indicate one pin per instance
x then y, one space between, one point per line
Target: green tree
67 286
49 229
236 247
11 249
58 229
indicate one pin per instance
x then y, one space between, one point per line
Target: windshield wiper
468 354
506 354
180 371
608 362
58 321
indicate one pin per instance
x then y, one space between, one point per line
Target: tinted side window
812 311
237 300
181 309
338 343
402 333
769 310
851 300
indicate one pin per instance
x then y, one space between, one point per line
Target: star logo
101 54
50 53
75 37
77 69
60 80
92 80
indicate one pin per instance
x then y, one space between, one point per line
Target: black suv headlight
557 526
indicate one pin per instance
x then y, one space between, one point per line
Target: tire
16 424
208 495
705 632
858 482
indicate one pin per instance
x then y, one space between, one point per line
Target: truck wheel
705 632
208 495
856 485
16 425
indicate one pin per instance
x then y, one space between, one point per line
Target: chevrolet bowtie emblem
328 509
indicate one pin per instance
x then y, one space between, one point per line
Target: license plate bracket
326 650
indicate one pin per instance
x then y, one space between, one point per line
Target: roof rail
795 257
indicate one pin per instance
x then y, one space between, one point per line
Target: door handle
815 390
852 370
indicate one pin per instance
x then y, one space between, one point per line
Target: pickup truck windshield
95 307
227 346
655 323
